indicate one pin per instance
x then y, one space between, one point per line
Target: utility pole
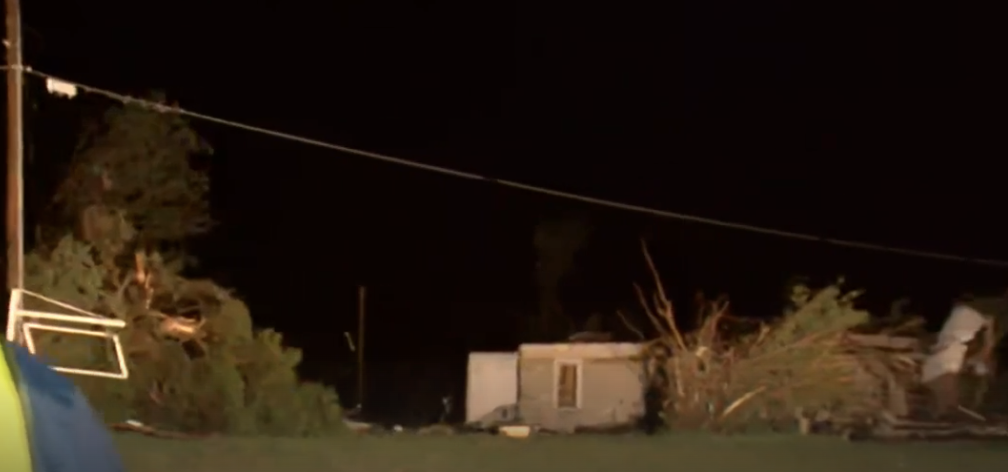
361 298
15 148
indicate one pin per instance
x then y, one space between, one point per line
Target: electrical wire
162 108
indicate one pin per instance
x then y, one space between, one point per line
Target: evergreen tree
196 363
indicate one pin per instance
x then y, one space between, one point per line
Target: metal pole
15 148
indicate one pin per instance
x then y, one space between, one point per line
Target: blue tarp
64 433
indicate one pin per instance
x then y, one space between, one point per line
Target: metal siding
612 394
492 382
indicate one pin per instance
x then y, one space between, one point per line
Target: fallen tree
113 243
726 376
196 362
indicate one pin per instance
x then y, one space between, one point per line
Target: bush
223 376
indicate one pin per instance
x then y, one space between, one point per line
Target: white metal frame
558 365
18 326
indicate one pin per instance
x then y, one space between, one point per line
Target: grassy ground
557 454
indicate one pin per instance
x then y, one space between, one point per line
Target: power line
56 83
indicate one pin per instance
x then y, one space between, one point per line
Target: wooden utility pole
361 298
15 148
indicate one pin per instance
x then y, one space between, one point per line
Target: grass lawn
687 453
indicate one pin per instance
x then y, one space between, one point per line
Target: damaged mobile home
600 385
559 387
965 344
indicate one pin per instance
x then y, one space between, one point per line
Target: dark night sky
848 122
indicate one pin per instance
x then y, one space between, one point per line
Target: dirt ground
575 454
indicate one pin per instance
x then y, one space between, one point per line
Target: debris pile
823 359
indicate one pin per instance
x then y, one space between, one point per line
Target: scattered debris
942 368
728 375
502 415
133 426
966 427
357 426
437 430
517 431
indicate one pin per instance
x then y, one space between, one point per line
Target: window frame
558 366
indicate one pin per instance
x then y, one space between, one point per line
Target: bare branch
630 326
662 304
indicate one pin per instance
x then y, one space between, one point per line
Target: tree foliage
196 362
142 163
